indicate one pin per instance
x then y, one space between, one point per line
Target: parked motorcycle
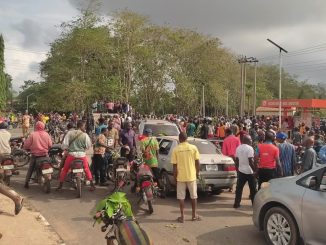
44 171
7 167
298 169
116 214
20 156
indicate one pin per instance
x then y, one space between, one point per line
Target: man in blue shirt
102 124
287 154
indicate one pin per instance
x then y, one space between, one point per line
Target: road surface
72 217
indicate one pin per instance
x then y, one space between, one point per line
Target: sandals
180 220
19 206
197 218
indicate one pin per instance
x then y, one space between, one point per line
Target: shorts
181 189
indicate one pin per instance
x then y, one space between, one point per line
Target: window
165 147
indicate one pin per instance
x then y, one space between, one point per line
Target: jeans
265 175
242 179
31 168
99 167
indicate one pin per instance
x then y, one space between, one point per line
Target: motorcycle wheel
47 185
6 180
21 158
56 161
110 173
298 169
112 241
79 187
150 207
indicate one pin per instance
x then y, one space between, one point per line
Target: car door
165 152
313 210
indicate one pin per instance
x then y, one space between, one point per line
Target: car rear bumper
212 183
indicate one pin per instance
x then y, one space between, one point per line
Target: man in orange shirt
269 160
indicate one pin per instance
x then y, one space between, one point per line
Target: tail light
146 184
77 165
46 166
229 167
8 162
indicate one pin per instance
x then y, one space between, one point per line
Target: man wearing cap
149 147
287 154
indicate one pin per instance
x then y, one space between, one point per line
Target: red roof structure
301 103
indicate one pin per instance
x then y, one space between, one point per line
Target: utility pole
242 61
227 104
203 100
27 101
280 83
255 87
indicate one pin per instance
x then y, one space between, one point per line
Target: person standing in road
269 161
98 158
309 159
149 147
230 144
245 163
191 128
25 124
287 154
185 160
204 130
128 138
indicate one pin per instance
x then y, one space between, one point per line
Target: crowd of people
260 149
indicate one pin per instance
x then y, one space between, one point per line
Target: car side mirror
312 182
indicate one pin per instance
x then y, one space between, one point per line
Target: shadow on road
236 235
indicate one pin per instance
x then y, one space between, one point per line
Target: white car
218 171
159 127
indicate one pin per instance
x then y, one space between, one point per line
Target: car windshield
162 129
204 147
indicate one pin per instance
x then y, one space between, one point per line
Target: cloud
32 33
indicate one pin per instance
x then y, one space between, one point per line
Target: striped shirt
287 158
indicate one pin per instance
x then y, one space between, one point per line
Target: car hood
214 159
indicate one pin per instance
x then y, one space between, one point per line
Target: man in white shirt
4 151
245 164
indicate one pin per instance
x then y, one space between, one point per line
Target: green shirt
191 129
149 147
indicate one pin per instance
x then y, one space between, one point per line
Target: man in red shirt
230 144
269 161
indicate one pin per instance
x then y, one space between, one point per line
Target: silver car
159 127
292 210
218 171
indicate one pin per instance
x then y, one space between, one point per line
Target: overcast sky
242 25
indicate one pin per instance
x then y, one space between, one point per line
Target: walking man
245 163
185 160
309 160
25 124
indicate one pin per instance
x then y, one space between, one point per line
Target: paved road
71 217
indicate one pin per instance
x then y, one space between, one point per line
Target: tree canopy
159 69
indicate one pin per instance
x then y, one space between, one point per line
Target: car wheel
280 227
166 185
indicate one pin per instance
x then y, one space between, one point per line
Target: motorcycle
146 188
77 175
56 154
116 214
298 169
7 167
20 156
120 169
44 171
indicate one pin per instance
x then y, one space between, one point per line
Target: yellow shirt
184 156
